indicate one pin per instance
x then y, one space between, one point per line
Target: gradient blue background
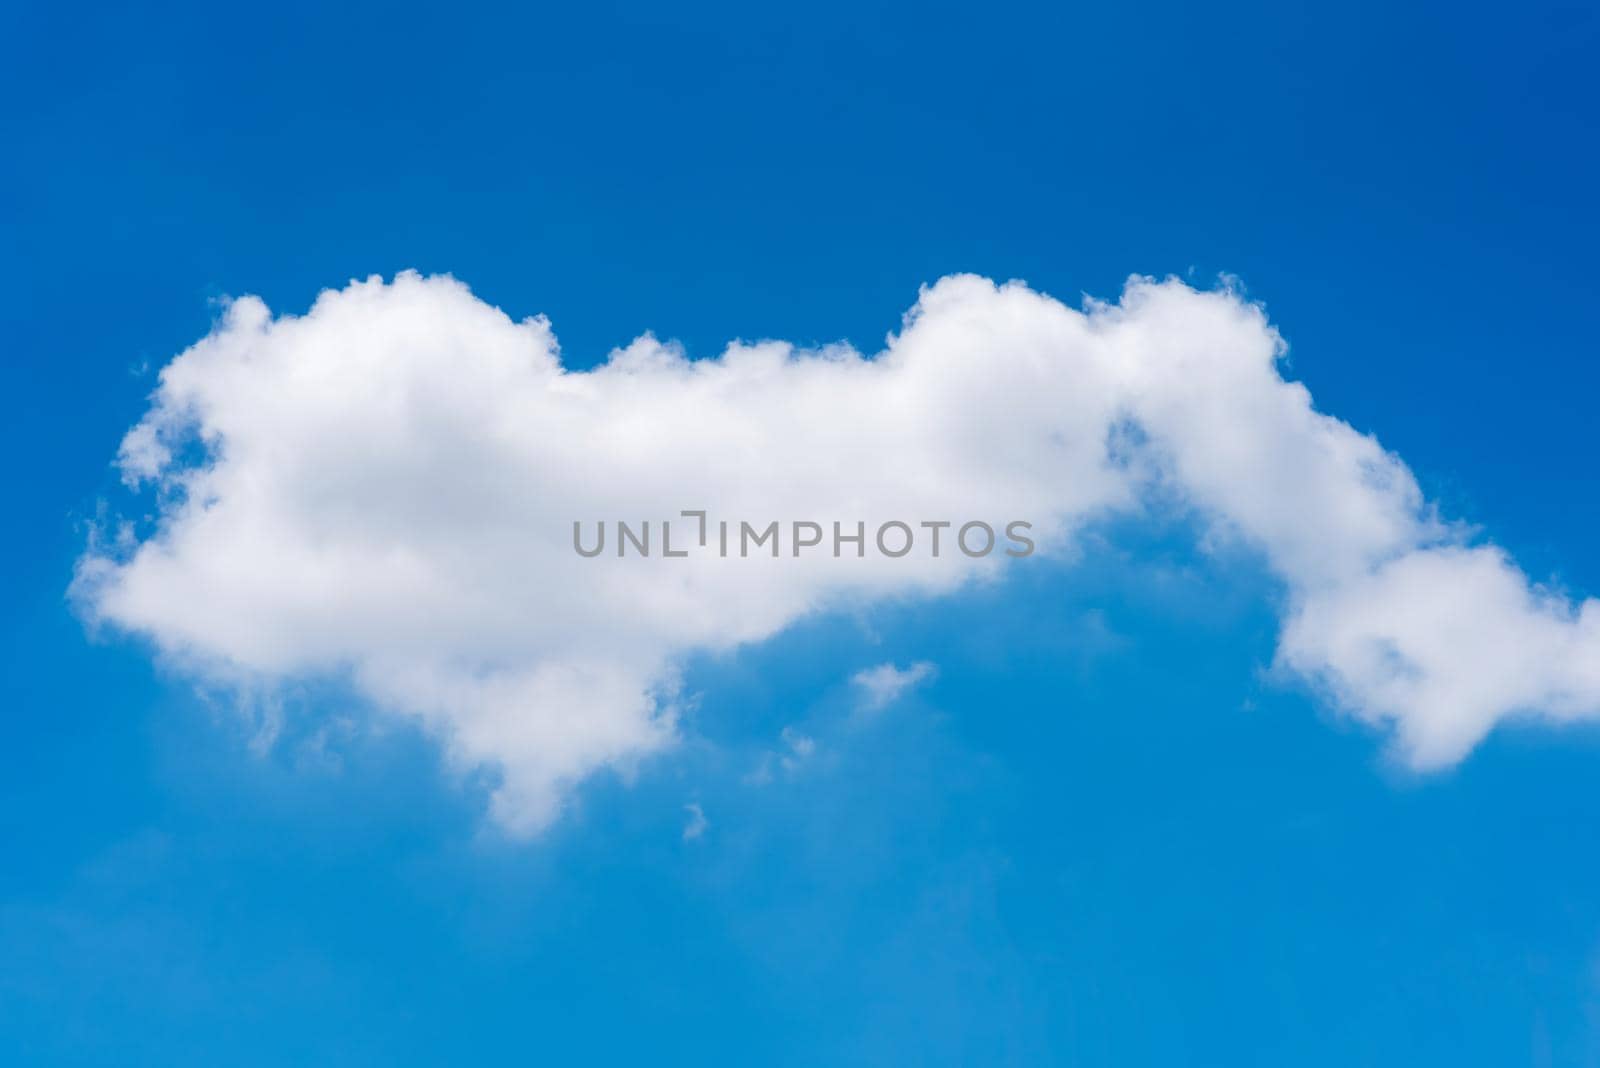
1101 836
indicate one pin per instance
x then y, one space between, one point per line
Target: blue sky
1104 833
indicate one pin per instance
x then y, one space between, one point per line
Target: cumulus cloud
383 490
883 685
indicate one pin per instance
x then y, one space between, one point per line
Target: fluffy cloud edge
382 486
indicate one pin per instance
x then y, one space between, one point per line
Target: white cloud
761 774
384 489
697 823
795 750
801 748
885 684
